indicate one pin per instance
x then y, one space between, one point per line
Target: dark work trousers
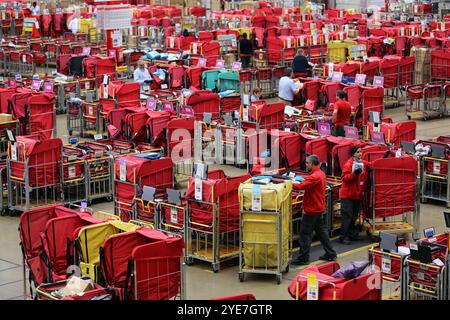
245 61
339 131
349 212
309 224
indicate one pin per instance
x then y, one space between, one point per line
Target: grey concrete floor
201 282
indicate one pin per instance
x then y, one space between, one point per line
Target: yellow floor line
314 244
340 255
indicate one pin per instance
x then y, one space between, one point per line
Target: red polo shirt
344 110
314 196
351 183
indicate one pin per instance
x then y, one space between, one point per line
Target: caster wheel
11 213
109 198
409 117
447 205
188 261
279 279
3 212
424 200
287 269
215 268
241 277
70 132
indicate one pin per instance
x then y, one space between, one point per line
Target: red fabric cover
203 101
5 95
223 191
230 103
157 122
158 269
389 68
371 100
145 172
43 160
346 289
41 117
394 133
440 64
180 134
127 94
195 76
394 186
268 116
406 70
98 66
353 96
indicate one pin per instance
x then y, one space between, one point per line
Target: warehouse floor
201 282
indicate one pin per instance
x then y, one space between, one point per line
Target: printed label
151 104
86 51
337 76
14 152
72 171
201 62
360 79
123 170
312 287
256 198
378 81
48 86
174 215
436 167
236 66
386 264
35 84
220 63
172 42
194 48
324 128
198 189
245 113
351 132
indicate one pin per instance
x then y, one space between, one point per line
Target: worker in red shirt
313 208
353 175
341 113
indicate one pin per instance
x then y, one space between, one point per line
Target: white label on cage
194 48
442 25
402 31
171 42
432 240
288 43
312 287
327 36
72 158
16 15
245 113
198 189
153 33
72 171
302 41
164 86
341 36
87 85
315 40
142 31
24 58
3 15
436 167
330 69
386 264
13 152
18 76
256 198
431 34
413 246
287 129
98 136
146 87
174 215
91 110
413 31
123 170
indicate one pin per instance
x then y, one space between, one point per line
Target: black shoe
328 258
344 241
300 262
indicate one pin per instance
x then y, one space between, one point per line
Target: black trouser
349 212
339 131
309 224
245 62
